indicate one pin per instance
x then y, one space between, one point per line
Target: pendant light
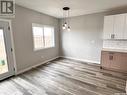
66 25
68 28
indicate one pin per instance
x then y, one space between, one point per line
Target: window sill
44 48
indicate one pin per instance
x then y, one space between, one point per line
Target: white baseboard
83 60
34 66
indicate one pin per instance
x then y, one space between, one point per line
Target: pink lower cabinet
114 60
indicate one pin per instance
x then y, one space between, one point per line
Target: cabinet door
105 59
116 61
119 26
119 62
108 27
125 32
123 64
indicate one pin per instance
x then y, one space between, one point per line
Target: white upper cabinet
108 27
119 26
115 27
125 31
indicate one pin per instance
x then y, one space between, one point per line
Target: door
105 59
108 26
119 26
125 31
120 62
116 61
6 55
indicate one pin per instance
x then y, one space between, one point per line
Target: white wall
23 42
84 41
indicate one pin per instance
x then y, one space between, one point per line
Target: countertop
115 50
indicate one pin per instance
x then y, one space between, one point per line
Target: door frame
12 46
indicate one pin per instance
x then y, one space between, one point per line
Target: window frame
42 26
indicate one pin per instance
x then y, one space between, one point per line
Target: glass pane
49 36
3 56
38 37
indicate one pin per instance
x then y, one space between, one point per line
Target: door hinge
8 27
11 50
14 69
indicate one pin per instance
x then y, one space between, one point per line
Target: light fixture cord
68 19
63 18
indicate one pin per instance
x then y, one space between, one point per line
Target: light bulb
64 27
65 24
68 28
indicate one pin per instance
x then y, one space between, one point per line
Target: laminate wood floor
65 77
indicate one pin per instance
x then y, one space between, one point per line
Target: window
43 36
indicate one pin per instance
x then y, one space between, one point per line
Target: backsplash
115 44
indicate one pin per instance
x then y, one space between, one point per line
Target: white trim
6 20
12 42
83 60
44 48
29 68
42 25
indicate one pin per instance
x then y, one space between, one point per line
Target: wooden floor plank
50 86
83 81
96 68
65 77
98 82
74 83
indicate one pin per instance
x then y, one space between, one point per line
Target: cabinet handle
112 36
111 57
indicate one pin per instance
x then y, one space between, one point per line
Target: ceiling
78 7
